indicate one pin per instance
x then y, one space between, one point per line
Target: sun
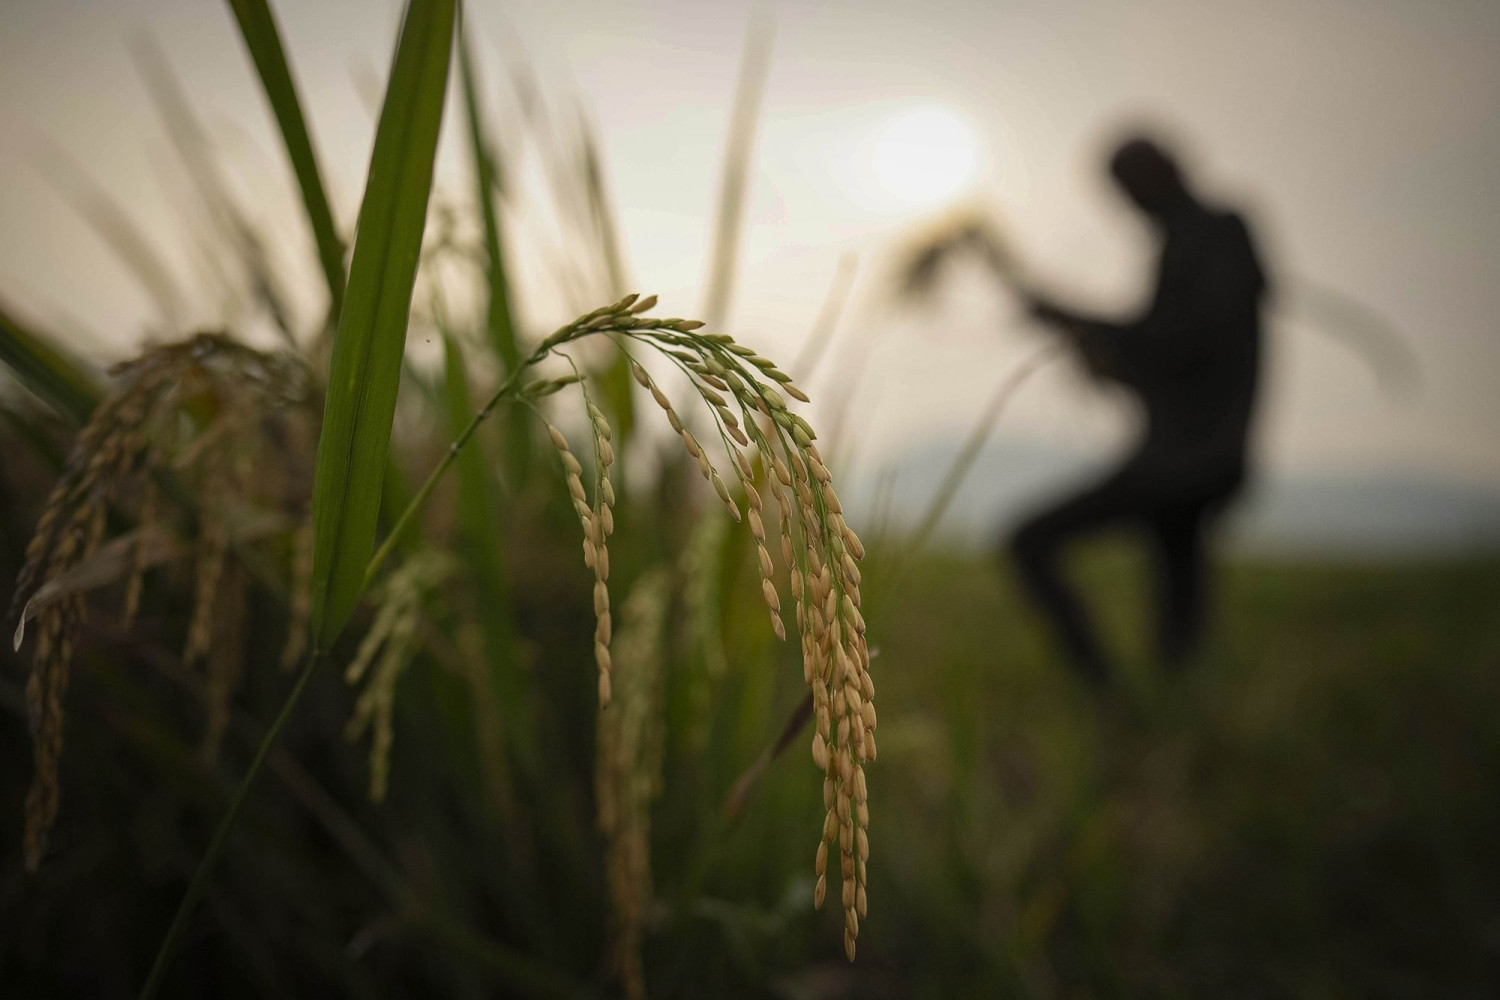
926 155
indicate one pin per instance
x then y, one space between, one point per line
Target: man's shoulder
1214 231
1225 220
1229 223
1228 236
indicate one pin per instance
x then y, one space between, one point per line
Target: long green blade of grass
132 247
606 231
365 371
258 28
195 150
614 382
499 322
734 188
497 315
47 370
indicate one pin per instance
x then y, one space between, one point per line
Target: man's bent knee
1031 544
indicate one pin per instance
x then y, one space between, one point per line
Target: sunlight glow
926 155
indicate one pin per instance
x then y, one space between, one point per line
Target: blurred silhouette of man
1192 360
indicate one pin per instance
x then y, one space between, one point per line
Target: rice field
548 666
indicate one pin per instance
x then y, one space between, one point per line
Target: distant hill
1374 513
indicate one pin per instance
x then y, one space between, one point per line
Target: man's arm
1095 340
1213 280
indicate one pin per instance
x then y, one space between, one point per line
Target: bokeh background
1307 813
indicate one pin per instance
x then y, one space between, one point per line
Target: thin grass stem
199 883
449 457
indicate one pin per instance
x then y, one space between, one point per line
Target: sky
1358 135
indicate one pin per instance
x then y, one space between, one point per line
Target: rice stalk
136 582
114 226
628 774
193 147
504 688
963 462
499 323
601 230
815 347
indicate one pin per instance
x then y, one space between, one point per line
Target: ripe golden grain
125 443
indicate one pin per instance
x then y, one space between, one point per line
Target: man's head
1148 175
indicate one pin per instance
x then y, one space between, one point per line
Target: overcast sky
1360 135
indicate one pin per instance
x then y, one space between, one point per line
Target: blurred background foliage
1309 812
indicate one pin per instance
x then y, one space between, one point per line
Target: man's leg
1182 573
1037 549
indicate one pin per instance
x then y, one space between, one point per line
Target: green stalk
47 370
962 464
499 322
263 40
425 490
173 939
365 371
734 187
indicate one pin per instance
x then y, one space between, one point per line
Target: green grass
1309 812
1304 814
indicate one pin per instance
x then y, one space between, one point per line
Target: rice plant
222 492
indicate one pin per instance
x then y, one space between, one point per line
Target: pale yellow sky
1360 133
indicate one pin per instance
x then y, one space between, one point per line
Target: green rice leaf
258 28
365 371
498 320
613 380
734 187
47 370
132 247
195 149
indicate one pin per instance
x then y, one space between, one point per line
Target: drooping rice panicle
823 568
300 603
389 648
603 525
225 657
146 519
125 445
597 522
820 549
212 551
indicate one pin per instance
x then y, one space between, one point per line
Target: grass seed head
125 441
